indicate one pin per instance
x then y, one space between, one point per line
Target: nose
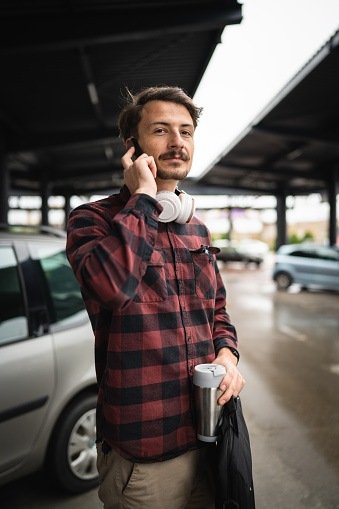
175 140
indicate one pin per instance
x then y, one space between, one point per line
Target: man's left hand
233 382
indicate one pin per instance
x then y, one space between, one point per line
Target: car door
302 265
327 263
26 358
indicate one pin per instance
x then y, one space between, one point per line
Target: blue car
307 264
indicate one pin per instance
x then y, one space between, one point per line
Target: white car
48 384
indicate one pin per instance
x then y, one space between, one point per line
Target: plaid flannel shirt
156 302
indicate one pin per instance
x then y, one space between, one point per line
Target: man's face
166 132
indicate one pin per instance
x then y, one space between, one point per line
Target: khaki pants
184 482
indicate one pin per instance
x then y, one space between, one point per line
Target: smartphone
136 145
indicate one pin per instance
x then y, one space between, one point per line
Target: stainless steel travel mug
206 381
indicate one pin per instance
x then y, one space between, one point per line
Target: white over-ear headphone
178 206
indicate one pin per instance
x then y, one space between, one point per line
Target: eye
160 130
186 133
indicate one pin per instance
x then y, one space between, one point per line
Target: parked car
47 373
253 246
231 253
308 265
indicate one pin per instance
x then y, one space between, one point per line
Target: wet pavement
289 344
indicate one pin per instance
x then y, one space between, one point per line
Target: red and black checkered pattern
156 302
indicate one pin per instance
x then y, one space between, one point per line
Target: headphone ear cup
187 208
171 206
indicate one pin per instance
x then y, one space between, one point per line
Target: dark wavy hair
130 116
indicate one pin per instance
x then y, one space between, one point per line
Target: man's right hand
139 176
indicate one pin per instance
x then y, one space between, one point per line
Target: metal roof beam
299 134
256 190
287 173
61 140
62 30
91 87
231 186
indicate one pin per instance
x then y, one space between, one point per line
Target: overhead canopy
293 146
65 66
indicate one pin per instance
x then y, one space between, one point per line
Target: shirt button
189 339
151 242
191 369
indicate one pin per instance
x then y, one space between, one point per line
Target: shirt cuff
220 343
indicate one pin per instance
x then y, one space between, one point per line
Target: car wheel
283 280
72 455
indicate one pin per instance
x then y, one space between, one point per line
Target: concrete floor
289 344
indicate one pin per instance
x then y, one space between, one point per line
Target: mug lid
208 375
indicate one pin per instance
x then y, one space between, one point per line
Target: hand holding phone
138 152
140 175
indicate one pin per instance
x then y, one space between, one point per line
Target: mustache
177 154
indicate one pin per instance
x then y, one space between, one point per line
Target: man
157 307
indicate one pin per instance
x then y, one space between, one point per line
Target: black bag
233 460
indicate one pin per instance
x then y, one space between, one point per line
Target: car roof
305 246
20 233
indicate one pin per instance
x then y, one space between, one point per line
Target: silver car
309 265
48 383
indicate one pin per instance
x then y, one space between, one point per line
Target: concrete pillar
230 219
281 217
4 182
332 199
44 198
67 207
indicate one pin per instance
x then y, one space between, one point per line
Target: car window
13 319
303 254
63 297
327 254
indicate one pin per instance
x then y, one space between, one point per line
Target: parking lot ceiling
292 147
65 66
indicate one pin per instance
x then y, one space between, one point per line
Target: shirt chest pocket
153 286
204 273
